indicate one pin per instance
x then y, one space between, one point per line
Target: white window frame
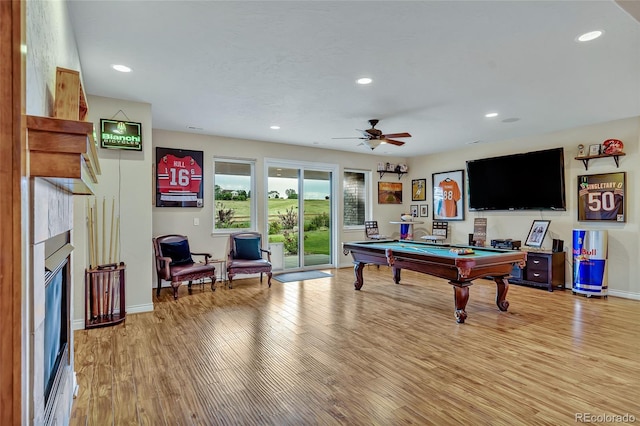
253 204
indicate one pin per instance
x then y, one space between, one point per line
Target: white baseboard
624 294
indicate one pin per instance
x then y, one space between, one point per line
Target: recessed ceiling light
121 68
275 127
511 120
591 35
364 80
491 115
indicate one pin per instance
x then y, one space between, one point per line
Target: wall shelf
383 172
585 159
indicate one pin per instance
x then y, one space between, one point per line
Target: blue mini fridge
590 262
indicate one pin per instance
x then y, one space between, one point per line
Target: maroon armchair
246 256
174 263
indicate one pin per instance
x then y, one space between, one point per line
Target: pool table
439 260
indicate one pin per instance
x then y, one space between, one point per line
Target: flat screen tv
528 181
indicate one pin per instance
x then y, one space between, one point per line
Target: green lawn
317 242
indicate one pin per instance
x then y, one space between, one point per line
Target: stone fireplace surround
52 216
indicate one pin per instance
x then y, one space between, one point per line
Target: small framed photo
594 149
581 151
537 233
424 210
414 210
419 190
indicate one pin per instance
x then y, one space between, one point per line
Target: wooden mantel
63 152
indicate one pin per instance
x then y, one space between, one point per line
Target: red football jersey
179 175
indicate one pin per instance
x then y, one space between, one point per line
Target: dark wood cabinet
542 270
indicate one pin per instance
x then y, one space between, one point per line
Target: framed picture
179 178
389 192
418 190
594 149
414 210
601 197
537 232
448 195
424 210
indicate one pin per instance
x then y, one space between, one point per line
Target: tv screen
532 180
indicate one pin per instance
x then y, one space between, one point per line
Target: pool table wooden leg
357 270
502 287
460 297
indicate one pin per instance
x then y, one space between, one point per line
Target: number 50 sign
601 197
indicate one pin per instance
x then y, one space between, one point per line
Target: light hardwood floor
320 353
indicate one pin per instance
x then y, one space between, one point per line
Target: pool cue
113 207
104 240
93 285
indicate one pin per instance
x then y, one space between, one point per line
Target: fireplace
57 320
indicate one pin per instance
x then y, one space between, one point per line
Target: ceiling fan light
373 143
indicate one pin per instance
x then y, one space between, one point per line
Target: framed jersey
448 195
179 178
601 197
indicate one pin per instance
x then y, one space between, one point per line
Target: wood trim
60 151
12 170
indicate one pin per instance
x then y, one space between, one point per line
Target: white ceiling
234 68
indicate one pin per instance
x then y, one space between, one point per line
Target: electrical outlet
196 221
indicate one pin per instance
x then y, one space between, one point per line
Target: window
356 198
234 186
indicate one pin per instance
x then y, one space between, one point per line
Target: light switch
196 221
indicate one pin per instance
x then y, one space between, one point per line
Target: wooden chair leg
213 283
158 290
269 276
260 276
189 287
175 291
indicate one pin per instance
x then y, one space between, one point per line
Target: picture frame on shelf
594 149
581 151
389 192
414 210
537 233
448 195
601 197
419 190
424 210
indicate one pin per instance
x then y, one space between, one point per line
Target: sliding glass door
300 213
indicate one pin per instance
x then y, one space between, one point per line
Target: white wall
624 238
180 220
126 178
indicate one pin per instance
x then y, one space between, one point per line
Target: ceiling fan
372 138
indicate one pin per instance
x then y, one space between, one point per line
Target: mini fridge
590 262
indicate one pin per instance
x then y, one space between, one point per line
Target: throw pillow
177 251
248 248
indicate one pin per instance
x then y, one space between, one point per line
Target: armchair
246 256
174 263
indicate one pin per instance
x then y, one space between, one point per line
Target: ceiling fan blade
393 142
396 135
